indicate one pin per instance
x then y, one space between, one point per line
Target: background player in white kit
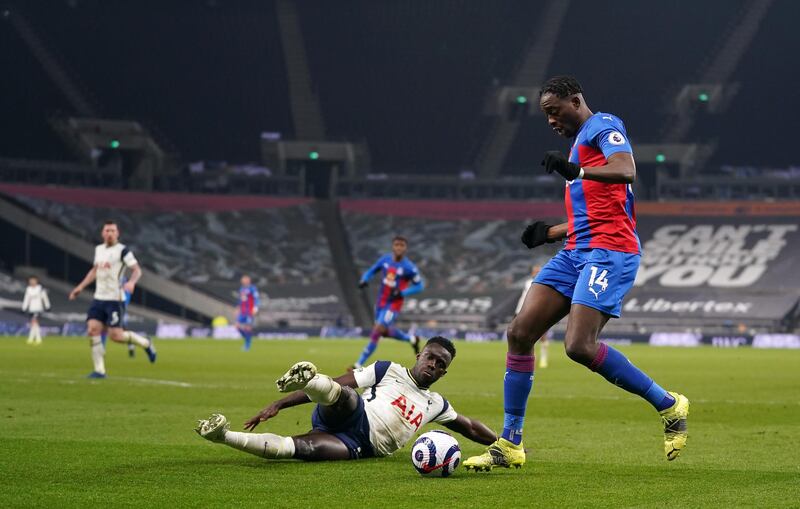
396 403
106 312
544 341
34 303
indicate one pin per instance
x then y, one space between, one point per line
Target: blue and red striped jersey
600 215
402 275
248 299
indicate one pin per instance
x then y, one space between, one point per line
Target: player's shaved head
561 101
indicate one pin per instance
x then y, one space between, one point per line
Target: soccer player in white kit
34 303
396 403
106 312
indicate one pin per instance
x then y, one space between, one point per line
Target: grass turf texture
128 440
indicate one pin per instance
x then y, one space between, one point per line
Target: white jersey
396 406
35 300
110 262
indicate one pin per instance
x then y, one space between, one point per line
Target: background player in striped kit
34 303
400 278
249 301
586 280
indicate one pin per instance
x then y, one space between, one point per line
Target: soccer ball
435 454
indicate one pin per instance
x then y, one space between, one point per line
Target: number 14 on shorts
600 280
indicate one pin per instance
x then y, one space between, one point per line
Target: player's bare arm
136 274
87 280
621 169
293 399
473 429
557 232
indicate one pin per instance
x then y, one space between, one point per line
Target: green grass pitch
128 442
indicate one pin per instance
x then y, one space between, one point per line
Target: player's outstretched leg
267 445
395 333
132 338
583 347
303 376
543 308
370 348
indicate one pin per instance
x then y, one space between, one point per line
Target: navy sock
517 386
617 369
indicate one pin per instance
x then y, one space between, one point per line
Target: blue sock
368 350
398 334
248 337
517 386
617 369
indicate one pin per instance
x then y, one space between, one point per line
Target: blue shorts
597 278
386 316
244 319
354 432
109 312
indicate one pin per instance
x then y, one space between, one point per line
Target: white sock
543 353
98 355
31 334
266 445
323 390
136 339
37 334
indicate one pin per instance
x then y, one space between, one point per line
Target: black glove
556 161
396 294
363 284
536 234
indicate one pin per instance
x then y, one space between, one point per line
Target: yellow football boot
502 453
675 428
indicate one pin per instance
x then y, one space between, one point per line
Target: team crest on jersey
616 138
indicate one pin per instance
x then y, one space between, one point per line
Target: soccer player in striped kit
588 278
400 278
249 300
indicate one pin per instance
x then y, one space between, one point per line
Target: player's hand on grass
363 284
556 161
535 234
262 416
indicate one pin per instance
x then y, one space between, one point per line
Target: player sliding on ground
586 280
400 279
396 403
